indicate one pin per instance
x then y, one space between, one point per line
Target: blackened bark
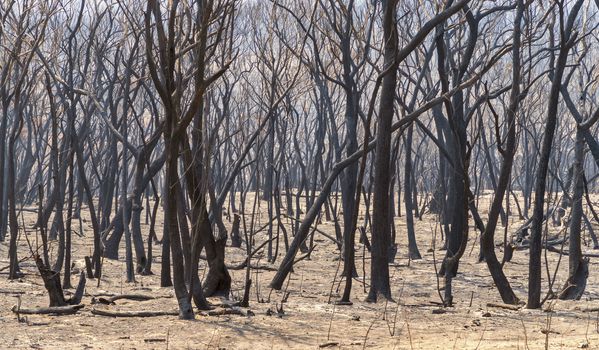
51 282
578 267
379 270
413 251
536 230
235 237
508 152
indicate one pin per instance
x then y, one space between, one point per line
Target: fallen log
504 306
3 291
112 299
154 340
227 304
550 243
223 312
328 344
261 267
589 309
134 297
566 252
108 313
52 310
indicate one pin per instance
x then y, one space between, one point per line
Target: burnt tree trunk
578 267
488 246
379 268
567 40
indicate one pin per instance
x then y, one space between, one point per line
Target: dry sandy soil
309 320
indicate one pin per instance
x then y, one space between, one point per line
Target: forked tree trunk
171 221
488 242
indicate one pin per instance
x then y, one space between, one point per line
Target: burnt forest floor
309 320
